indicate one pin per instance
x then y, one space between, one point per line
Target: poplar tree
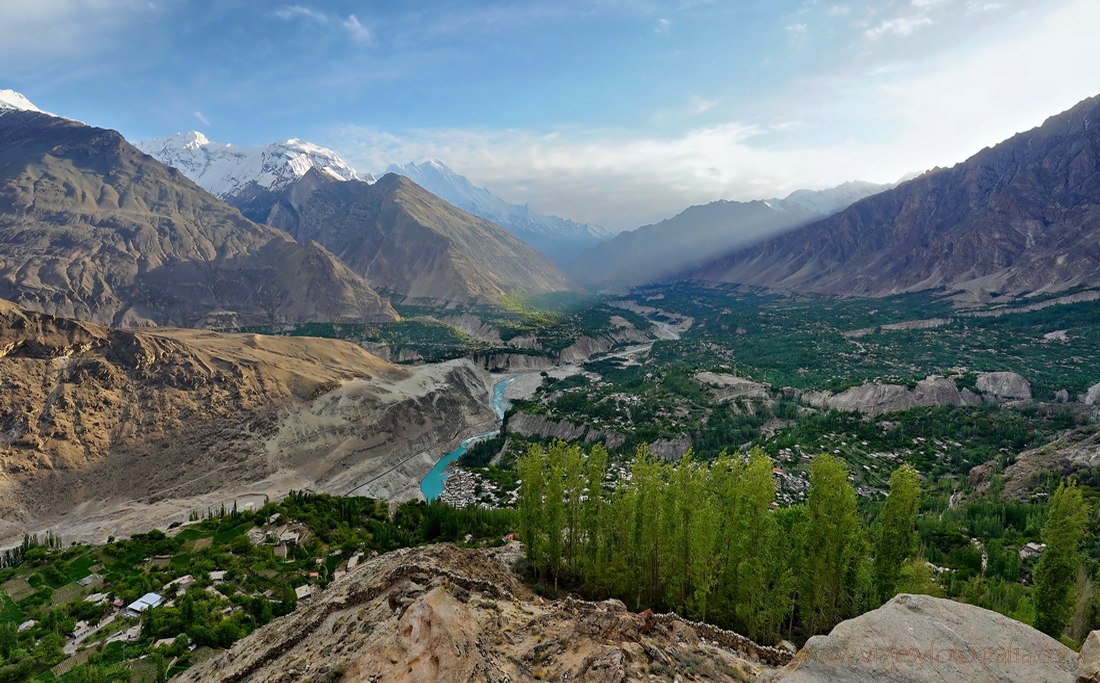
1056 573
833 546
895 530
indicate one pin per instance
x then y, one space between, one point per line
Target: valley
265 416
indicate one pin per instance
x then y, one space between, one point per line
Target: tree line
707 540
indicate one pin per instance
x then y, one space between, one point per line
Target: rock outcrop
876 398
542 427
921 638
1069 453
1005 385
671 449
1092 396
730 387
442 613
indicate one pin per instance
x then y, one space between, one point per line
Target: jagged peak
225 170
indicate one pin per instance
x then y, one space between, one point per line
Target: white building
145 602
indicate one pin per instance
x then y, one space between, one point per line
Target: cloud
698 104
39 34
290 12
202 119
663 25
350 24
356 30
873 122
901 26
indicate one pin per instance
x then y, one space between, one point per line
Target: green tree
833 546
895 530
1056 572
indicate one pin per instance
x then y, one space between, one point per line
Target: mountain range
560 239
1020 217
92 228
413 245
677 246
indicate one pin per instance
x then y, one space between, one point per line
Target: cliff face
442 613
1022 216
91 228
139 427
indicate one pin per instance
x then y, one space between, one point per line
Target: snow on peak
225 170
10 99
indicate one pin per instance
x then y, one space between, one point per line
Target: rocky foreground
444 613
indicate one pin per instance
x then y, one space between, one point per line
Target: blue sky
614 111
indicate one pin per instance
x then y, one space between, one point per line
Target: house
91 580
147 601
304 592
27 625
217 576
179 585
1032 550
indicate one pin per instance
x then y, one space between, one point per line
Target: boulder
1088 665
1092 396
1006 385
922 638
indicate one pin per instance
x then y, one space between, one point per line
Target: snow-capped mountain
827 202
558 238
10 99
230 172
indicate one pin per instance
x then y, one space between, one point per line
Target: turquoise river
432 484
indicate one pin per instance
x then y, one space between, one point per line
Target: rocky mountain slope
559 238
404 239
105 429
1022 216
92 228
442 613
679 245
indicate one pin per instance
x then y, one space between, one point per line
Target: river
432 483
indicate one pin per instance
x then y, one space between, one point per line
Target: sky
617 112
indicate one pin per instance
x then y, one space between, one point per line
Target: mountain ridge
679 245
94 229
404 239
1020 217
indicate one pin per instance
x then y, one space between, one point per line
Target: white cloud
38 33
874 123
663 25
350 24
901 26
202 119
698 105
355 29
290 12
